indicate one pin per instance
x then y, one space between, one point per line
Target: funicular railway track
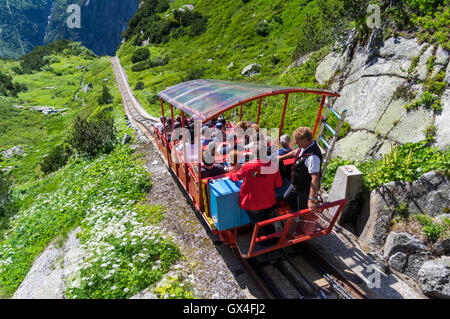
295 272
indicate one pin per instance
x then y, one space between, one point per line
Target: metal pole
171 111
164 120
282 116
184 154
319 115
259 111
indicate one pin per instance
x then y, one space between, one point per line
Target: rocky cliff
22 25
376 80
98 24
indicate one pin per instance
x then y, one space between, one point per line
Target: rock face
45 21
15 150
434 278
101 26
405 253
251 70
47 109
367 76
430 194
47 277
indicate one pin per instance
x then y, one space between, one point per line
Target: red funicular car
216 198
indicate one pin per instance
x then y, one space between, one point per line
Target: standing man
305 180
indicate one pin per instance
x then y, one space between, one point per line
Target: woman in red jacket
261 176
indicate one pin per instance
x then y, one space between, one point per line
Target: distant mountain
98 24
22 25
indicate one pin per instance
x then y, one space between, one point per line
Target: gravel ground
212 277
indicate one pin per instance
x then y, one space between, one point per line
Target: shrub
5 187
57 158
140 54
262 28
139 86
432 230
198 24
8 88
94 137
433 27
405 163
105 97
141 66
194 74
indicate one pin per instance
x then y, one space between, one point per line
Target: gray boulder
402 242
328 67
380 209
15 150
405 253
434 278
398 261
87 87
47 109
251 70
442 247
430 194
126 139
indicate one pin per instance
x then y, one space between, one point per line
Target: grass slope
231 36
123 250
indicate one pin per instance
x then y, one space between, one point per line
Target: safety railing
296 227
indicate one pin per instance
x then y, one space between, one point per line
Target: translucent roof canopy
203 99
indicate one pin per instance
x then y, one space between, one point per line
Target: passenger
254 127
223 121
169 127
257 194
305 180
220 134
206 136
160 126
235 164
241 125
209 168
232 144
255 138
285 141
192 149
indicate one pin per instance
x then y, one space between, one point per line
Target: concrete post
348 184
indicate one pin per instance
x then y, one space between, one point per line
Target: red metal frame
192 181
284 241
319 116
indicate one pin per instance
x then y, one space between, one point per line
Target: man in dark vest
305 179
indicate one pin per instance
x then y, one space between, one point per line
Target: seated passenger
285 141
234 161
192 149
209 168
257 194
206 136
230 145
159 126
220 134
